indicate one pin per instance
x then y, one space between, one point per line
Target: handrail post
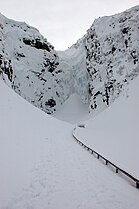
116 170
137 185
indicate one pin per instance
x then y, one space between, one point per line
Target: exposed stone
37 44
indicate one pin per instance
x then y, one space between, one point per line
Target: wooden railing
117 169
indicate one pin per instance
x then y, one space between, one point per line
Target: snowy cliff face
112 56
98 67
30 64
37 72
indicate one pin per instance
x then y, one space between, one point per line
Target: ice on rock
98 67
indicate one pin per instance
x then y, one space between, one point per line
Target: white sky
62 22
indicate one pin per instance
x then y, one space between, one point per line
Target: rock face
30 63
37 72
112 56
98 67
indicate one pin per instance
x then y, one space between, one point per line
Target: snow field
43 167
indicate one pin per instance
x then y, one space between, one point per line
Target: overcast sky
62 22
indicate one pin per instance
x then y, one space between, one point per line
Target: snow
115 132
73 62
112 54
97 67
73 110
43 167
38 73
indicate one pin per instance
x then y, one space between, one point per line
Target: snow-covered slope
41 166
97 68
73 110
115 132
